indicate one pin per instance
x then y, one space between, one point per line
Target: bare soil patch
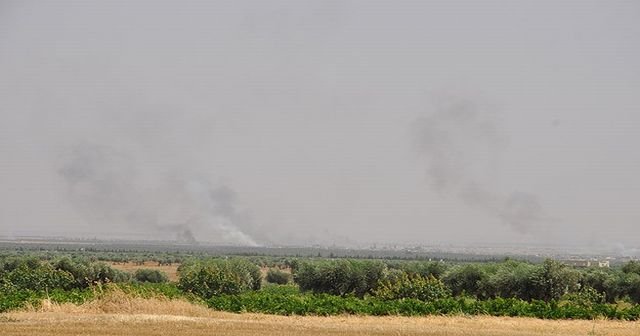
131 267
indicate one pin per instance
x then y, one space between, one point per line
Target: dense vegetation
336 286
288 301
212 277
276 276
340 277
150 275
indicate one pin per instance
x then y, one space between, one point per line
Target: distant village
593 262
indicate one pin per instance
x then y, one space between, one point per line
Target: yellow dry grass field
118 314
131 267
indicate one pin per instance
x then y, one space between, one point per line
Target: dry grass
172 270
115 301
119 314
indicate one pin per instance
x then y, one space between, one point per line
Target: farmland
250 324
108 291
161 317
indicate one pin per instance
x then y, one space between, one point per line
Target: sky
322 122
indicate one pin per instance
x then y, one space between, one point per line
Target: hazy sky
299 122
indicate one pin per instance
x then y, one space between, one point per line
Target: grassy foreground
251 324
120 314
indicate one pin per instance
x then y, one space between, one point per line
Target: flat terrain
119 315
251 324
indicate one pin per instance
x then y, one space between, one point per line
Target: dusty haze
330 122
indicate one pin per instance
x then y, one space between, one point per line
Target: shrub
510 279
79 270
39 276
464 279
88 273
412 287
552 280
632 267
243 266
602 281
586 297
103 273
278 277
215 277
150 275
631 284
340 277
324 304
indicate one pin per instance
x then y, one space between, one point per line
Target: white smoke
107 189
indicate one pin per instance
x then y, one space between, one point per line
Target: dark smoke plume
461 142
522 211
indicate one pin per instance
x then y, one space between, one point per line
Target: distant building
586 263
577 262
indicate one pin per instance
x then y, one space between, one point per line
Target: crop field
120 316
249 324
115 292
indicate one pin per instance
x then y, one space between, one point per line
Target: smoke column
461 142
107 189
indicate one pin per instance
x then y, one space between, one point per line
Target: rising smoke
107 189
461 142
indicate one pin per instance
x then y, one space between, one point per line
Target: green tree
553 279
631 267
278 277
510 279
150 275
603 282
340 277
465 279
412 287
207 278
40 276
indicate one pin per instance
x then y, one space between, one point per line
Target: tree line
408 287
